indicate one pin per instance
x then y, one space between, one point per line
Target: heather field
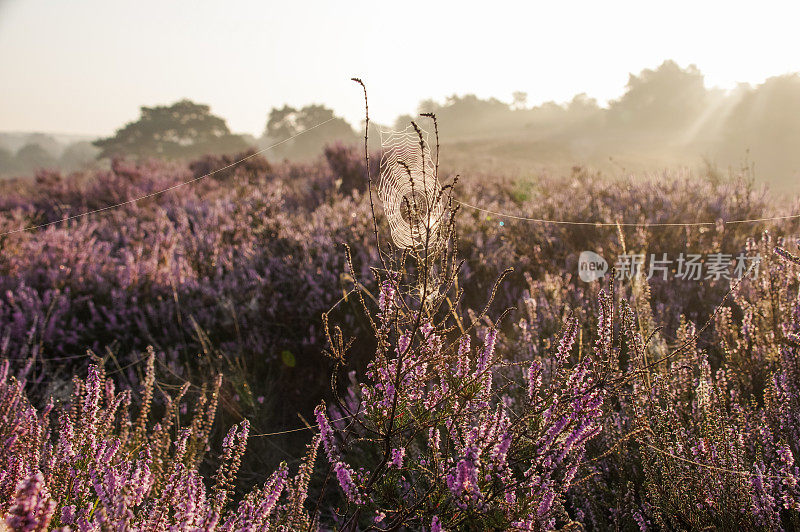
252 351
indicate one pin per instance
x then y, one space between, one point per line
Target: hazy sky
85 66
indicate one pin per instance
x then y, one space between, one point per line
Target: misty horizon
515 88
358 123
667 116
276 54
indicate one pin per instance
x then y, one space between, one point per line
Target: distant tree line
43 151
668 103
187 129
666 110
184 129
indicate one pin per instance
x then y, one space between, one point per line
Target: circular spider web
409 190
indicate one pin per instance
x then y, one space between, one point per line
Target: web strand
623 224
711 466
299 429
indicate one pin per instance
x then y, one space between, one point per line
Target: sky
86 66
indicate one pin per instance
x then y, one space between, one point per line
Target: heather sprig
95 470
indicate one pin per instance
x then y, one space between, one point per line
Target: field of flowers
243 353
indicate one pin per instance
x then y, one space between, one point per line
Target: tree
286 122
7 163
32 156
282 123
468 115
762 125
78 154
666 100
520 100
183 129
48 143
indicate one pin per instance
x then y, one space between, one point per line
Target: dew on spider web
409 190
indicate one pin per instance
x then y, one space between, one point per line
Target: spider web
409 189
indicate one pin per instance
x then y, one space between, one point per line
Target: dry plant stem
708 322
369 171
351 523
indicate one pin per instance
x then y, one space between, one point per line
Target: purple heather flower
32 509
487 352
397 457
345 477
402 343
546 502
534 379
386 297
462 364
326 433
